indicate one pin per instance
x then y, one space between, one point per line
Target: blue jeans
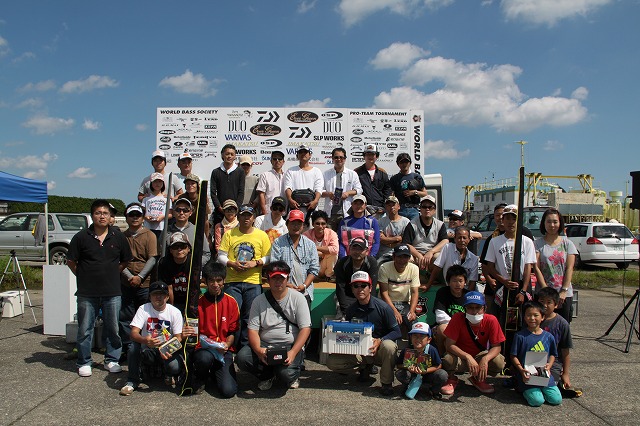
244 294
149 356
132 299
88 308
248 361
205 365
408 212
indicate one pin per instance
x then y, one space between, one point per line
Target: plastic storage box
348 338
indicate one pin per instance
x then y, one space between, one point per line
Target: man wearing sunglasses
273 223
182 210
271 183
385 332
426 235
340 185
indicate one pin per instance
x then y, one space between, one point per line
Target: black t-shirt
177 276
400 182
98 264
445 301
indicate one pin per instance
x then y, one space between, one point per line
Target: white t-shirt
390 228
145 187
450 256
150 321
500 253
265 223
155 206
271 184
295 178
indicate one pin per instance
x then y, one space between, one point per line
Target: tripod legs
636 298
16 270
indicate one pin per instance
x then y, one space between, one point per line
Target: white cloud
549 12
90 124
353 11
552 145
306 5
14 143
190 83
81 173
443 150
28 161
51 185
92 82
31 103
36 174
45 125
41 86
23 57
398 55
581 93
312 103
4 47
476 94
141 127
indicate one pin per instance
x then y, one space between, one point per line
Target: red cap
295 215
279 273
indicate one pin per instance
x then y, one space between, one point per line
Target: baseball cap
359 197
473 297
245 159
246 208
370 147
184 156
303 147
279 201
179 238
158 153
510 209
279 273
112 209
401 250
403 157
421 328
359 241
156 176
160 286
229 203
183 201
456 214
295 215
393 199
192 177
133 208
428 198
360 277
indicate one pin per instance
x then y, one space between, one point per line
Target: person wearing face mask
473 343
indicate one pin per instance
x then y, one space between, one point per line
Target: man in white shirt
271 183
340 185
303 183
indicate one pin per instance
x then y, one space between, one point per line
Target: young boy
154 323
449 300
549 298
534 338
426 363
219 320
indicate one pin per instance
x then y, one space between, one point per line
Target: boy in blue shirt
534 338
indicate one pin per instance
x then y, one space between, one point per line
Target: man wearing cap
500 258
154 323
392 227
300 253
456 218
96 257
456 253
244 250
340 186
357 260
159 161
272 222
385 332
185 164
279 317
408 187
182 211
250 181
469 334
173 269
374 181
227 182
136 277
358 224
303 183
425 234
192 193
271 182
399 283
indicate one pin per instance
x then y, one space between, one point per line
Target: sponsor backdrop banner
258 131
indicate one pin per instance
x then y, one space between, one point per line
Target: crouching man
279 326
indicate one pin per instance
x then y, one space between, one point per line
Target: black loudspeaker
635 190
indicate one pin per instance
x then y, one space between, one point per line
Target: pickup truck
16 234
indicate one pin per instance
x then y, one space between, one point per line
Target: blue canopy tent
16 188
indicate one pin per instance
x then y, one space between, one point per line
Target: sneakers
127 389
295 384
113 367
170 381
266 384
450 386
386 390
84 371
483 387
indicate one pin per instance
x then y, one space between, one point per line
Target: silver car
603 242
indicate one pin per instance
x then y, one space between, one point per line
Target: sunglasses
277 208
179 247
339 157
428 207
360 285
230 209
277 159
134 215
182 210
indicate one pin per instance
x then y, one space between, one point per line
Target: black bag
303 196
276 355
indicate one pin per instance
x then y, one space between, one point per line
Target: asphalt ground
38 385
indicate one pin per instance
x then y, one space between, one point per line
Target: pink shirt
330 239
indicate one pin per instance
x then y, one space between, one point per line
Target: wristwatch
415 192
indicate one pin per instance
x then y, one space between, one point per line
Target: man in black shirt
408 187
227 182
374 181
357 260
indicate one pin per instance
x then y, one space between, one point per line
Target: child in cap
420 365
155 205
229 221
174 270
155 323
534 339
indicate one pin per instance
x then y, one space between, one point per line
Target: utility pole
522 144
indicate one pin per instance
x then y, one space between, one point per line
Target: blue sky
80 81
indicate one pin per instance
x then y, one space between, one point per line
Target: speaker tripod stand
16 271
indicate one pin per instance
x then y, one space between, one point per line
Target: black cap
279 200
402 250
159 286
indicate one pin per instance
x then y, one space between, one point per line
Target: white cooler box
348 338
13 302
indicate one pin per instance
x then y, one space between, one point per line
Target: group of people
377 238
